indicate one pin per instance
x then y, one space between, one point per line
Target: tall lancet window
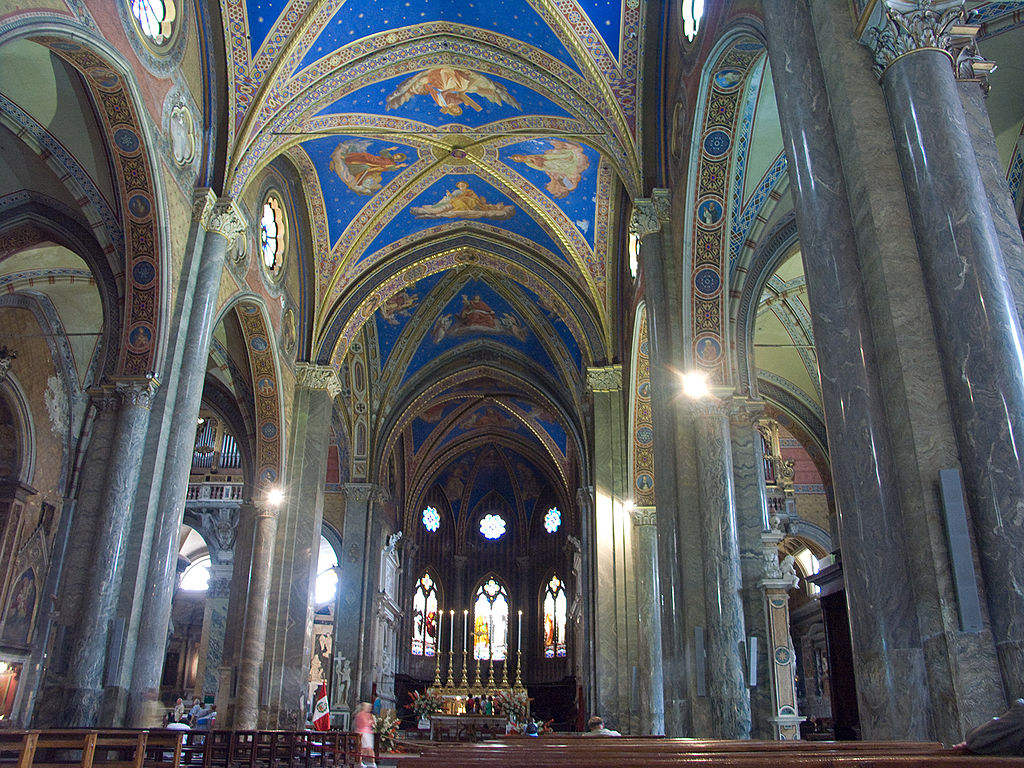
424 617
554 618
490 621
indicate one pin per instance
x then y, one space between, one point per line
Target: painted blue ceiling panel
398 312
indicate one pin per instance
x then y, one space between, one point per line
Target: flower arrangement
385 725
424 704
512 704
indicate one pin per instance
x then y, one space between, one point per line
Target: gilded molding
605 379
227 220
318 377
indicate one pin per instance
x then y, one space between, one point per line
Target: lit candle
519 642
440 616
465 631
451 633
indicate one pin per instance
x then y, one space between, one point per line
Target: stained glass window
155 18
424 617
490 621
431 519
554 618
492 526
271 233
552 520
692 10
326 574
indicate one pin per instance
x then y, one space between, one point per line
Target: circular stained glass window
492 526
552 520
272 232
431 519
155 18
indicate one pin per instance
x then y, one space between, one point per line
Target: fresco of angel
463 203
399 305
564 164
450 89
360 169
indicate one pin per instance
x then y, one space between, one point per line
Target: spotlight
695 385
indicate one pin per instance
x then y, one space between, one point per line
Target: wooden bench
591 752
74 747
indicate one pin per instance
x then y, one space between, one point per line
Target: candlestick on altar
465 653
519 668
450 682
437 651
504 671
490 674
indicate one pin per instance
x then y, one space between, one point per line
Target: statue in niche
342 679
392 542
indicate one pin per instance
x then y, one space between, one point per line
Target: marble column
651 223
726 637
645 554
357 582
254 633
972 306
87 661
615 629
219 526
892 686
586 658
751 522
290 629
221 221
781 654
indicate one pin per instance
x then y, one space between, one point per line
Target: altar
466 727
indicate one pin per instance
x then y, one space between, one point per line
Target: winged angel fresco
450 89
360 169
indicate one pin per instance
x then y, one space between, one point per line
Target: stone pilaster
781 654
726 679
972 306
893 688
290 629
751 522
132 398
648 660
254 634
219 526
215 226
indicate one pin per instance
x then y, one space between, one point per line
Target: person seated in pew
1003 735
595 727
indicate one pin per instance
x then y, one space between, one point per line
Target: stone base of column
1011 661
878 695
787 727
82 707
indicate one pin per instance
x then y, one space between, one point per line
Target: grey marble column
976 322
290 630
892 688
645 554
357 582
585 588
751 522
726 679
254 633
86 664
651 224
222 222
219 526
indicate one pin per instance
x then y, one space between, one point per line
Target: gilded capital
745 411
913 25
605 379
226 220
137 392
650 213
203 200
318 377
644 515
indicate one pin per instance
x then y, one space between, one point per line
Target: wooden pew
164 748
74 747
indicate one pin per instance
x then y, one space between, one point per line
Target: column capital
707 407
362 493
226 219
266 510
644 516
219 526
650 213
744 410
136 391
318 377
915 25
605 379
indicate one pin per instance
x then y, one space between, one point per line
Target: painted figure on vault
476 316
450 89
360 169
399 305
564 164
463 203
